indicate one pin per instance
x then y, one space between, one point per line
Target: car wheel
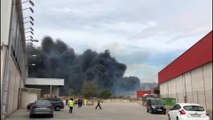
57 108
51 115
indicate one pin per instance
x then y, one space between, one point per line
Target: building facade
47 85
13 61
140 93
189 77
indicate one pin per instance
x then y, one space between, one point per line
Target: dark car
57 103
155 106
29 105
41 107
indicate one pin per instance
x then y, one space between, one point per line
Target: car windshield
43 102
193 108
157 102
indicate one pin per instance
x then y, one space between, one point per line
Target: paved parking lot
110 111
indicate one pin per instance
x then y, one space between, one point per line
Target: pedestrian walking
70 104
98 104
80 102
66 101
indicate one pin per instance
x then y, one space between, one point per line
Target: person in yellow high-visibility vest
70 104
85 102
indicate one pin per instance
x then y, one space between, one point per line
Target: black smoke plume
57 60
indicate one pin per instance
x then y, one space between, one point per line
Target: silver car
41 107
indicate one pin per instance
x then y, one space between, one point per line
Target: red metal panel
140 93
197 55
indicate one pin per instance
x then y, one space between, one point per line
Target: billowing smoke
57 60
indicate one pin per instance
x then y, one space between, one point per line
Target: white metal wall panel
189 87
5 20
169 88
197 78
11 89
163 90
3 50
16 90
28 97
208 76
208 85
180 87
14 84
173 91
177 89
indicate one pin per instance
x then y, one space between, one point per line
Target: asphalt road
110 111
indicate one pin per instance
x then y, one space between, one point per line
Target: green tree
70 92
105 94
89 89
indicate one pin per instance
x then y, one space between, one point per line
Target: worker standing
70 104
80 102
66 102
85 102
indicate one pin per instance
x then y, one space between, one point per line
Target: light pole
30 17
29 21
30 1
31 9
29 28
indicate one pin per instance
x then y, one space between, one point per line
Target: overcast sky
146 35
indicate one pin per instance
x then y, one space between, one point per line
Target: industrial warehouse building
13 56
16 89
189 77
13 71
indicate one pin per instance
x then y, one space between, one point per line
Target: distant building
47 86
140 93
189 77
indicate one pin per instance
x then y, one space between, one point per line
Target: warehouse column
51 90
204 87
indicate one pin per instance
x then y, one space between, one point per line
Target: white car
188 111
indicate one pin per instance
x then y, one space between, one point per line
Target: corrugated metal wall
14 77
28 97
194 86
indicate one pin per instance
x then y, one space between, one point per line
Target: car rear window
43 102
54 99
193 108
157 102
